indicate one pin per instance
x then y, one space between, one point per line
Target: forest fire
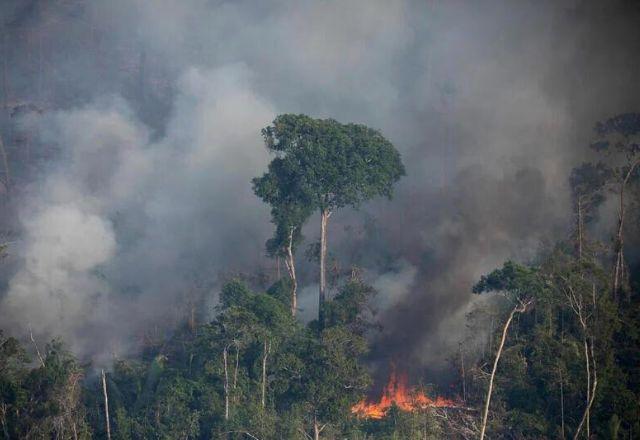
397 393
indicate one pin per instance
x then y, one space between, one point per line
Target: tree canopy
321 165
325 164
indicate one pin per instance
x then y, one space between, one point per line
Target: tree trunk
617 270
226 383
591 392
291 268
36 347
316 428
580 231
265 355
517 309
324 220
235 369
588 369
577 304
619 258
106 405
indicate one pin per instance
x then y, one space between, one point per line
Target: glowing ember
397 393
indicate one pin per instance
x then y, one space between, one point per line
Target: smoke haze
144 119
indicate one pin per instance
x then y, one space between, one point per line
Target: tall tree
619 145
518 284
587 183
288 212
580 285
333 378
329 165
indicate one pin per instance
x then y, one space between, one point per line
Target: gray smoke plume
113 232
143 122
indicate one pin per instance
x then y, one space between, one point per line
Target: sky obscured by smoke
154 109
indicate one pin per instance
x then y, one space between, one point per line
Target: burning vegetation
398 393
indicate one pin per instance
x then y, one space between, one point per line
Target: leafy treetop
325 164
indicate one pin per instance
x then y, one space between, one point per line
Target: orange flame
397 393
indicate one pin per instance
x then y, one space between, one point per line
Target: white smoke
121 211
490 104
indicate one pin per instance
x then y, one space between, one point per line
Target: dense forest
561 359
196 242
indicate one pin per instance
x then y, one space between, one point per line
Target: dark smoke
142 120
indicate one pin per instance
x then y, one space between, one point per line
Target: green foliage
322 165
350 307
541 380
625 124
44 401
180 391
234 293
253 371
516 281
327 165
281 290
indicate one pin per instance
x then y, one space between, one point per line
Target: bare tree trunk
226 383
324 220
590 395
619 258
588 369
235 369
265 355
106 405
619 245
234 386
316 428
580 231
577 304
517 309
40 358
291 268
